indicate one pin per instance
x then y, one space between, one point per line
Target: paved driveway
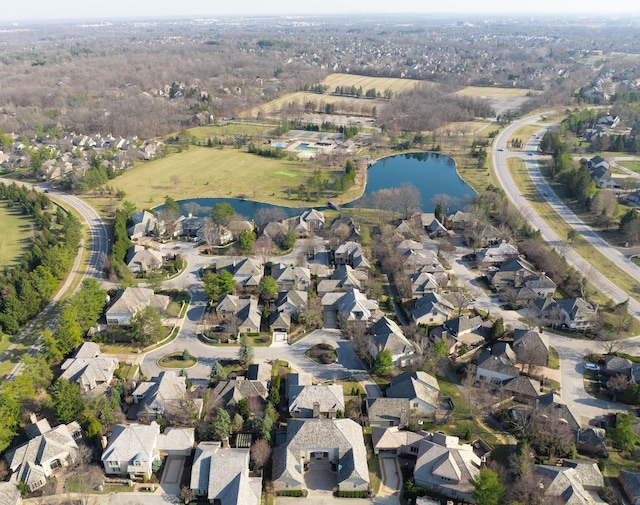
389 493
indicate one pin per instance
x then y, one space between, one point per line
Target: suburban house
336 444
342 279
246 273
221 475
592 441
351 253
630 483
238 226
432 226
231 391
135 450
444 466
88 369
511 273
423 283
317 401
384 412
244 308
496 255
164 396
291 301
275 230
604 178
10 494
573 313
432 309
130 301
523 389
495 369
597 162
392 441
460 220
469 332
531 347
46 450
188 226
144 223
421 389
351 307
311 220
291 277
142 260
406 246
552 406
423 260
615 365
575 483
387 336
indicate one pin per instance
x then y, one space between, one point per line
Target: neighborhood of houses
318 433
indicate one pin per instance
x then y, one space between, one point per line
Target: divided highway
596 278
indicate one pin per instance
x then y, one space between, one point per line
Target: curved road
599 280
99 242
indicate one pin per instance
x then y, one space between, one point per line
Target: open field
490 92
380 83
210 173
345 104
589 253
524 132
203 133
15 230
631 165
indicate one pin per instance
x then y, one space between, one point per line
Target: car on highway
592 366
500 149
545 194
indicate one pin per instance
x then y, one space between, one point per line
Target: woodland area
124 79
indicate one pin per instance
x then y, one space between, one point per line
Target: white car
592 366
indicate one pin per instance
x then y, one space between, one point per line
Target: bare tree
260 453
187 495
618 384
529 489
608 344
265 247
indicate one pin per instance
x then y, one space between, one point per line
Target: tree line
26 288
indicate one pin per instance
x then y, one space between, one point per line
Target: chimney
103 442
33 418
316 410
225 443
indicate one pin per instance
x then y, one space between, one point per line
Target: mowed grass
489 92
210 173
524 132
367 82
15 230
582 247
204 133
631 165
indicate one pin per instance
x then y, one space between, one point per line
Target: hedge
352 494
291 492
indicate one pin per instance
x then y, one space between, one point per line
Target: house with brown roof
130 301
232 391
245 308
164 396
531 347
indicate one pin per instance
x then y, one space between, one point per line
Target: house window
114 464
415 405
55 464
137 463
414 450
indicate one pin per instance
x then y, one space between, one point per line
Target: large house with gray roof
332 444
47 450
244 308
351 307
10 494
130 301
164 396
221 475
421 389
316 401
232 391
575 483
387 336
88 369
444 466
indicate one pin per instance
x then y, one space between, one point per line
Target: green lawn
554 359
222 173
174 360
15 230
631 165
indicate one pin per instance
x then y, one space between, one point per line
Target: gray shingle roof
129 442
302 399
412 385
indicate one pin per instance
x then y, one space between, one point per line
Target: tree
146 327
222 214
221 425
217 372
237 423
439 212
520 460
260 453
67 400
268 288
187 495
383 363
67 333
218 285
245 353
497 330
572 235
487 488
622 436
247 239
264 246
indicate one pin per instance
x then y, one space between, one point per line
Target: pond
433 174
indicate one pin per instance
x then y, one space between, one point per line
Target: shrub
352 494
327 357
291 492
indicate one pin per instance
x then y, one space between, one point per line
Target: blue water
433 174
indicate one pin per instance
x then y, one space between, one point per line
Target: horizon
163 10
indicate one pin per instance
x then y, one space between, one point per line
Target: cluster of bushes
291 492
344 182
27 288
352 494
267 152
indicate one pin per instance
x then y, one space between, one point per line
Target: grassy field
589 253
345 104
631 165
490 92
367 82
204 133
209 173
15 230
524 132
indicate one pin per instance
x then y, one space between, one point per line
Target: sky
113 9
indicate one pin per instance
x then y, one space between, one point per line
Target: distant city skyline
42 10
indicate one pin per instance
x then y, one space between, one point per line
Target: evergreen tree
67 401
245 353
222 425
488 490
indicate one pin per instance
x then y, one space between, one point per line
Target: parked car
592 366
